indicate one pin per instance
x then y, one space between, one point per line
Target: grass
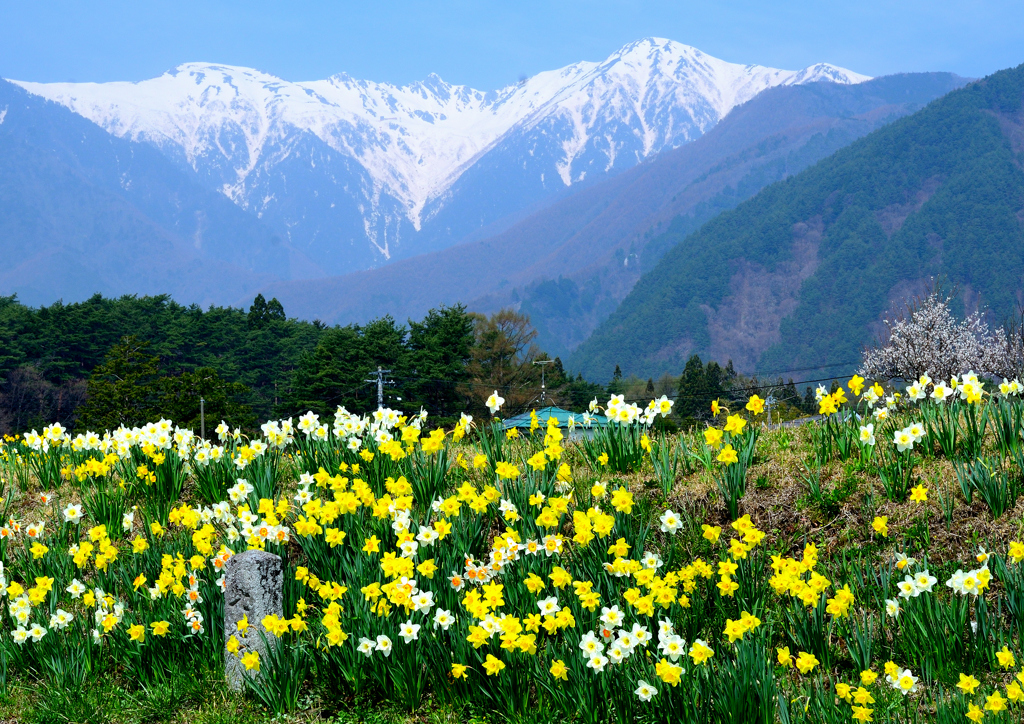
186 699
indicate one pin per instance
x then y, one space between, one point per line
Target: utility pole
202 418
379 379
542 364
768 403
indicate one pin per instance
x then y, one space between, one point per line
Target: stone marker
253 587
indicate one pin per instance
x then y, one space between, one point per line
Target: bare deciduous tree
27 400
502 359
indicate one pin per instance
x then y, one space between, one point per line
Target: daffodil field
587 573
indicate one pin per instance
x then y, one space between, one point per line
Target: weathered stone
253 588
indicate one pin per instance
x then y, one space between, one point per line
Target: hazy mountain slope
572 262
355 173
799 275
82 212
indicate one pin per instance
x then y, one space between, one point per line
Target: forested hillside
801 275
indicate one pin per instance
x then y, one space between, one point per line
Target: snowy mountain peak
405 148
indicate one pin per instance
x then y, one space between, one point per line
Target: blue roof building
522 421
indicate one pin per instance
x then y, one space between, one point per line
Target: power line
811 369
512 387
527 385
754 388
468 383
346 393
708 396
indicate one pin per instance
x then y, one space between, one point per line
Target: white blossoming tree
927 338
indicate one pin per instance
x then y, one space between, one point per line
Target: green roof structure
522 420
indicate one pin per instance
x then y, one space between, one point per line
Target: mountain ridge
560 265
84 212
356 173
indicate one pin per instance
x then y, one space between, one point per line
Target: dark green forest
106 362
47 354
938 194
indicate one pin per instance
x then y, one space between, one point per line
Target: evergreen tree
332 374
698 386
718 380
693 389
123 390
439 348
576 394
263 364
262 312
810 402
616 386
178 400
791 396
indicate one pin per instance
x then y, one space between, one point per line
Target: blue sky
490 44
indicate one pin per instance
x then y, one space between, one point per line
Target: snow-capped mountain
354 172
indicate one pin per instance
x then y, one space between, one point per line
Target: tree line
702 383
105 362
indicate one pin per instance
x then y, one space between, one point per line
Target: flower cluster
464 560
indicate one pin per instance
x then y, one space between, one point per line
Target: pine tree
438 349
123 390
693 389
178 400
262 312
616 386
